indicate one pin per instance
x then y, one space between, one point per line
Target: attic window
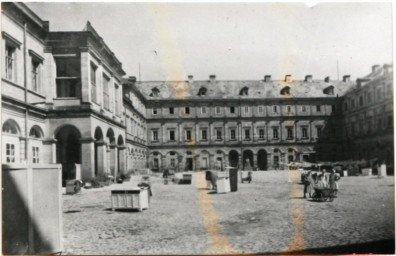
202 91
244 91
155 92
285 90
329 90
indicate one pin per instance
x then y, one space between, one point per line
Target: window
68 82
171 110
203 110
319 131
172 162
155 111
35 155
247 134
187 110
233 134
289 133
34 133
275 133
171 135
219 135
155 92
155 135
35 75
288 109
361 101
244 91
303 109
188 135
10 66
275 109
260 109
9 128
285 91
261 133
217 110
318 108
304 131
333 108
106 100
232 110
202 91
246 109
116 101
204 135
10 153
93 82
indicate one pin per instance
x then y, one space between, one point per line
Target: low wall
32 208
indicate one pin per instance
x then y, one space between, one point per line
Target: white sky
235 41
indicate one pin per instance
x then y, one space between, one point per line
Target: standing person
307 182
208 178
332 184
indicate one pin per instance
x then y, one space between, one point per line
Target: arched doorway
233 158
291 155
155 161
120 155
219 160
189 161
68 151
247 160
262 159
112 155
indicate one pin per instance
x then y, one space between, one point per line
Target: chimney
132 79
288 78
308 78
360 81
375 68
190 78
267 78
212 78
387 68
346 78
327 79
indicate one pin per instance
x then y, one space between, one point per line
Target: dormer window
244 91
329 90
155 92
202 91
285 90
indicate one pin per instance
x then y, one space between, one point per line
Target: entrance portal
233 158
189 164
262 159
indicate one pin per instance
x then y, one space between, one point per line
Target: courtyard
266 216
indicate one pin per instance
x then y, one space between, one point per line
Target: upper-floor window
10 153
171 135
204 134
232 109
188 135
155 92
68 80
219 135
171 110
10 62
260 109
187 110
203 110
303 109
285 90
304 131
155 111
275 109
202 91
106 97
35 75
333 108
218 110
155 135
360 100
261 133
288 109
35 155
319 131
232 134
289 133
246 109
329 90
10 128
275 133
318 108
116 101
247 134
93 69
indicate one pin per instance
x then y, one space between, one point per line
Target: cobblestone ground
267 216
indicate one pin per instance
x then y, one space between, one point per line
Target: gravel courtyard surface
268 215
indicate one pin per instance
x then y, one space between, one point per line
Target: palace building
66 99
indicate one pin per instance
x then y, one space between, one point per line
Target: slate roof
231 89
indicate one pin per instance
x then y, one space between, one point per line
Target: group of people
321 180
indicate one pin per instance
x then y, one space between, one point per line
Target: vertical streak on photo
217 244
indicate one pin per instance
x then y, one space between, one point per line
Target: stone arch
247 160
110 136
233 158
36 132
11 127
68 150
120 140
262 159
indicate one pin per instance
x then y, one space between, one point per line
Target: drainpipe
26 92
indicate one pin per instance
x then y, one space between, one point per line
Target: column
85 74
163 161
254 161
113 160
269 160
121 159
102 157
87 158
240 159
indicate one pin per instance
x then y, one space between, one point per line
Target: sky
235 41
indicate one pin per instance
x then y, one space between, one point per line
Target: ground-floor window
10 153
172 162
36 155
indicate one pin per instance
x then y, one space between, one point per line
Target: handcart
323 194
